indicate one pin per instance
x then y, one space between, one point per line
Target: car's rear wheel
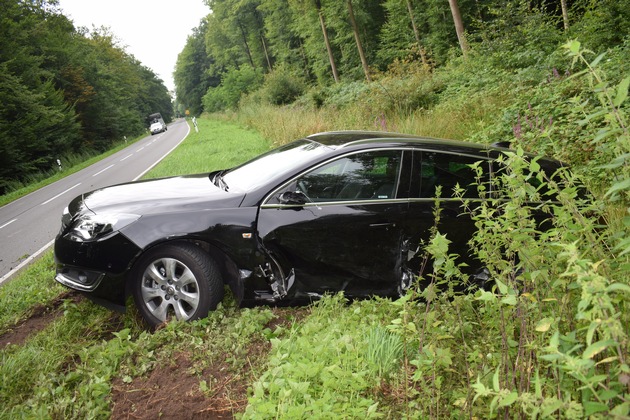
176 281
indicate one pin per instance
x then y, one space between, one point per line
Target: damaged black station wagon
343 211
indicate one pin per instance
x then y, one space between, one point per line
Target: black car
342 211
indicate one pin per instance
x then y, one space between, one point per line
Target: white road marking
60 194
126 157
98 173
8 223
25 262
140 149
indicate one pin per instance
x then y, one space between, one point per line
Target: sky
153 31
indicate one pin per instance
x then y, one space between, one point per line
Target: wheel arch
227 267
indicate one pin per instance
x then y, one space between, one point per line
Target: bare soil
40 317
172 390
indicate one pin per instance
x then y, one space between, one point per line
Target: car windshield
271 165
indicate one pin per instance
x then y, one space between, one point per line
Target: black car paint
269 251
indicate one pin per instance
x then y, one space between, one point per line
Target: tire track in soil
171 391
41 316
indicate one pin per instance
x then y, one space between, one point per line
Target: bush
282 87
234 83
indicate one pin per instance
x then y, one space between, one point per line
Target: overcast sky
153 31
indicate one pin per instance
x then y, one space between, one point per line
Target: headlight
66 219
91 227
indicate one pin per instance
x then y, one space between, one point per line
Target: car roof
347 139
344 139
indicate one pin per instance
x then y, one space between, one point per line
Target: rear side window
534 183
448 170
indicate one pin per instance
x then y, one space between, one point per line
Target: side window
450 171
363 176
536 184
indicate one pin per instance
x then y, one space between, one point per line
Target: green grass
217 145
322 368
33 286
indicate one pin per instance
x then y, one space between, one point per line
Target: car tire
177 281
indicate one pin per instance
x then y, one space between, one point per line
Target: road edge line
26 262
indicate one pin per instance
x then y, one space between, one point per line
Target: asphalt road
28 226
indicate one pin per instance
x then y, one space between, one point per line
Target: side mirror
295 198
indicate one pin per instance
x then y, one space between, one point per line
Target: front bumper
97 268
78 278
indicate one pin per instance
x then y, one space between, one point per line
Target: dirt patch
40 317
172 391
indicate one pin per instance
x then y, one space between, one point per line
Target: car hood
164 195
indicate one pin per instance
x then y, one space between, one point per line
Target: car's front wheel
178 281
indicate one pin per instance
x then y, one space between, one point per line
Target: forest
65 92
299 46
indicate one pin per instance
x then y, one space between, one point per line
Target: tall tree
322 23
238 25
416 33
37 126
459 26
285 42
312 25
357 38
369 17
565 14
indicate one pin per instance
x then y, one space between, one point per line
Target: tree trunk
565 14
249 54
459 26
366 69
416 32
331 58
264 45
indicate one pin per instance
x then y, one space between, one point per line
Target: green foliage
602 23
25 291
235 83
282 87
384 351
64 92
563 316
191 75
321 369
36 128
516 37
